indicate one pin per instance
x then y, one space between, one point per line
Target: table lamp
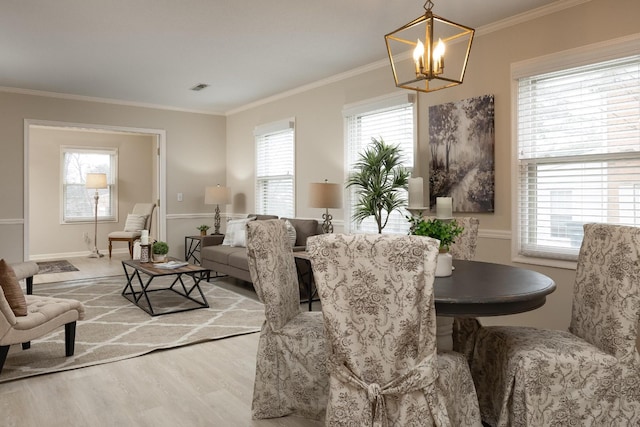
96 181
325 195
217 196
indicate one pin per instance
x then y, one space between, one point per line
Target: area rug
62 266
115 329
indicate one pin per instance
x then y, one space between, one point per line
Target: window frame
111 191
582 56
366 107
264 131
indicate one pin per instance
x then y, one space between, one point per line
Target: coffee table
176 297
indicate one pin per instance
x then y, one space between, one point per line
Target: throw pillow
12 290
291 232
135 222
304 228
235 226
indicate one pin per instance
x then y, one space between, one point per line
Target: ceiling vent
199 87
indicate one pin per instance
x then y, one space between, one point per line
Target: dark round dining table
477 289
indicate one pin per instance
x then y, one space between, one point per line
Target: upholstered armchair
589 375
25 318
378 304
291 376
139 219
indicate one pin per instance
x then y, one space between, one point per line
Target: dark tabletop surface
484 289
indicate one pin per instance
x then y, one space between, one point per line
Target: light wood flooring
207 384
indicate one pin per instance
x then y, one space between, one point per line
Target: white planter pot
444 267
159 258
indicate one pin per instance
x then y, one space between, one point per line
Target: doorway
51 237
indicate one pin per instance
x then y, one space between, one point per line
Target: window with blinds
275 169
578 145
77 201
389 118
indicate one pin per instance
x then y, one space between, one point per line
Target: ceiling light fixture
426 72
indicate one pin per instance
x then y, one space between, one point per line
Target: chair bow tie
420 377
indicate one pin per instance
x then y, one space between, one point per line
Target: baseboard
66 255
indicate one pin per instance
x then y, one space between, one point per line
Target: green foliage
445 231
203 227
160 248
378 180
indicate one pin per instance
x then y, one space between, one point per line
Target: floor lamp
217 196
96 181
325 195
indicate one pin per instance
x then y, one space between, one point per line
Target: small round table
485 289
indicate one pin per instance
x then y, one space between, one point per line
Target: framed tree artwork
461 146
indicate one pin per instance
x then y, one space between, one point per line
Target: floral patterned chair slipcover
465 245
377 298
464 248
587 376
291 376
451 332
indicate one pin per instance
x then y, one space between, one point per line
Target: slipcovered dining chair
464 247
291 376
377 298
139 219
589 375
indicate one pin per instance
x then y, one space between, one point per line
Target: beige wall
319 126
205 150
47 236
195 158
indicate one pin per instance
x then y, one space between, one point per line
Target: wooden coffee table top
150 269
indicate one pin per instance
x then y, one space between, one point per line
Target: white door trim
161 138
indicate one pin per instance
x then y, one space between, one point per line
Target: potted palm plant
379 179
446 231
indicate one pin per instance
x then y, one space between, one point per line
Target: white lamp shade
325 195
96 180
217 195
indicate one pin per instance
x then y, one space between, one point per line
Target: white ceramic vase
444 266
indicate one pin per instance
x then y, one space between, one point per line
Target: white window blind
578 136
391 119
275 167
78 202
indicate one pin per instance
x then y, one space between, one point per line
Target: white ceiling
152 51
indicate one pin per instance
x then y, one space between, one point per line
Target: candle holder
145 251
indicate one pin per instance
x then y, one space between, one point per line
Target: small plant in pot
203 229
159 250
444 230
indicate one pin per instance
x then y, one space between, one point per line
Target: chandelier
429 53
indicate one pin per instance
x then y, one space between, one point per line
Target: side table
192 245
305 276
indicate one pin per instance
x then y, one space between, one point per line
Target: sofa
232 260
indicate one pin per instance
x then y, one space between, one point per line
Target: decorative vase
444 266
203 232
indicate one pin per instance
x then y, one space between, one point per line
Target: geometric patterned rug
115 329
